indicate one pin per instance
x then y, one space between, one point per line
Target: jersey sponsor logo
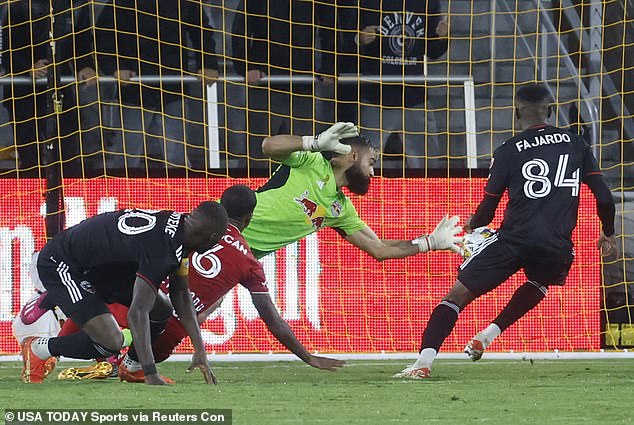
172 224
545 139
315 213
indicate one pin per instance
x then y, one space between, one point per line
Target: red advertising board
336 298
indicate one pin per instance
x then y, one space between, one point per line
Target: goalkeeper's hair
361 142
533 94
239 201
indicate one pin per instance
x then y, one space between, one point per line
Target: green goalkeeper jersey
300 198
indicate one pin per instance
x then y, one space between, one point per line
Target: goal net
162 105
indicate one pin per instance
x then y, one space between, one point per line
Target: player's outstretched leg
525 298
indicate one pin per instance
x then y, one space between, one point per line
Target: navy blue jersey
542 169
150 243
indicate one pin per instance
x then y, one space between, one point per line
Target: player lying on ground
541 168
145 247
305 194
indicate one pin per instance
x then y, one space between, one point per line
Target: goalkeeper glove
442 238
329 140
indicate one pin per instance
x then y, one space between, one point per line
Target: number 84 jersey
149 240
542 169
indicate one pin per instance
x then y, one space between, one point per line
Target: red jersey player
213 274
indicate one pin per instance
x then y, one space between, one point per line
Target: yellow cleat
100 370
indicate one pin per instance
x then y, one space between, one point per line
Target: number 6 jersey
542 169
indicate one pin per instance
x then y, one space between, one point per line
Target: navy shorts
495 261
68 287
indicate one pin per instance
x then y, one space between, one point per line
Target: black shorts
68 288
496 261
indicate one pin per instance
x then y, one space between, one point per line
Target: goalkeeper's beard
358 182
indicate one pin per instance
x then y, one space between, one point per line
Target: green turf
490 392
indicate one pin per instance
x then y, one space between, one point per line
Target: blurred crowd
134 79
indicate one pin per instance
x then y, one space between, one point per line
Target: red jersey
230 262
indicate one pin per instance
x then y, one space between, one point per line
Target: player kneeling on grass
541 168
214 273
147 247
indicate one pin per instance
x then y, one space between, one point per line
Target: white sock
425 359
489 334
40 348
131 365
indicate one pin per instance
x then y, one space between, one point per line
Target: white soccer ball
473 241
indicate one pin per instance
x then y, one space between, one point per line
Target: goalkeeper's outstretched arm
442 238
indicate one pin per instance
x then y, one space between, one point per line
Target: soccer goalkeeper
541 168
304 195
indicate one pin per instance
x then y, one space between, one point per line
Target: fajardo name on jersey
544 139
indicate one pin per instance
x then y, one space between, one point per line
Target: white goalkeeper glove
329 140
443 237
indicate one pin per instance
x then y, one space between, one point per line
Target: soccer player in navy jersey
541 168
144 248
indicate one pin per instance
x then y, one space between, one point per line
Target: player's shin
440 324
79 346
525 298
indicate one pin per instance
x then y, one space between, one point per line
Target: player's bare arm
182 302
605 210
442 238
280 147
143 298
284 334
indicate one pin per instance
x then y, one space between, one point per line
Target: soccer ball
473 241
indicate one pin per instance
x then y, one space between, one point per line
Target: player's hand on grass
325 363
607 245
329 140
154 379
444 235
199 361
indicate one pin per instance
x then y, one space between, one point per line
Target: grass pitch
491 392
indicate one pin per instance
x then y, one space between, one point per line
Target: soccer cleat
34 369
137 376
100 370
49 366
474 349
33 310
411 372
